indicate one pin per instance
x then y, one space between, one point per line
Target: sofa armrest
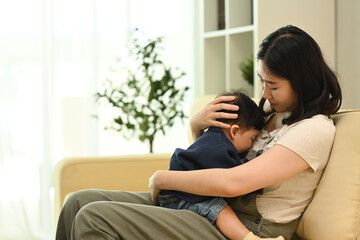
130 173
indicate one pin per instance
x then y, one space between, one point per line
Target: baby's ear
234 130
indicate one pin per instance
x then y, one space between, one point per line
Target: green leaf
247 69
119 121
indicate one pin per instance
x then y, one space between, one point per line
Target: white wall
348 51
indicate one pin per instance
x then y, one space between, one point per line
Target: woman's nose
266 91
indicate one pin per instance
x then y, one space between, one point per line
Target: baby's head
247 125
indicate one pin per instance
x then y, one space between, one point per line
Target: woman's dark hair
249 114
292 54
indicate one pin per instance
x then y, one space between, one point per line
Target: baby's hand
154 190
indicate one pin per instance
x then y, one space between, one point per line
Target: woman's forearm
209 182
208 116
273 166
196 132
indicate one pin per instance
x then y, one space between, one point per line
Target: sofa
333 214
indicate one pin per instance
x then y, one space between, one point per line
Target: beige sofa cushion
334 213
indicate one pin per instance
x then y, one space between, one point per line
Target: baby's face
245 139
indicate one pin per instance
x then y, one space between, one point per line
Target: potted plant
149 100
247 70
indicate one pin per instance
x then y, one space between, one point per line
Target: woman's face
277 91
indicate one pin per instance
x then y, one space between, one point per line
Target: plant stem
151 140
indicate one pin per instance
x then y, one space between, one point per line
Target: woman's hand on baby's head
208 115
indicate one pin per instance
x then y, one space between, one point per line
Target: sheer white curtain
54 55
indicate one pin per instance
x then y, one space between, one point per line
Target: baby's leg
229 225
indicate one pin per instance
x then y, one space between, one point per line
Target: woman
300 92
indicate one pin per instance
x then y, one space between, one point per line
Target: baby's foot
251 236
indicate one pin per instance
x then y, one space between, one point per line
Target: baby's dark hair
249 114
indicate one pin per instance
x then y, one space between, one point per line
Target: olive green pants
99 214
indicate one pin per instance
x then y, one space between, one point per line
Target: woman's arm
207 116
275 165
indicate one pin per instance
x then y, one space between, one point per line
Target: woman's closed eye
272 86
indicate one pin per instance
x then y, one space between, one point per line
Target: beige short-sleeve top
312 140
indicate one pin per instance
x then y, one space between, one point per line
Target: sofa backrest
334 212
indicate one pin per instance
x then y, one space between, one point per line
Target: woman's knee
79 198
95 221
89 211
